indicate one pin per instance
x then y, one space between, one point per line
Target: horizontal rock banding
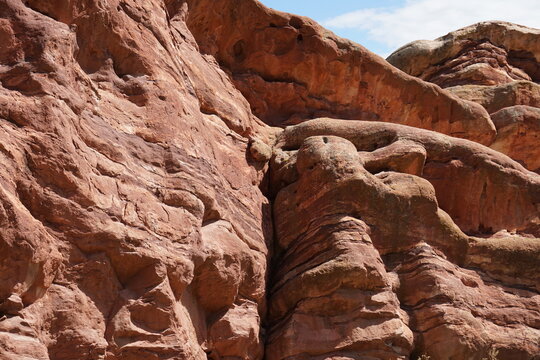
149 210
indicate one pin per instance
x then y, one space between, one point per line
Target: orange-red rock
494 64
498 97
487 53
518 134
125 186
148 212
347 238
277 61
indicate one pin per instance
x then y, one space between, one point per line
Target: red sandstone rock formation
495 64
290 69
487 53
141 185
518 135
357 249
132 223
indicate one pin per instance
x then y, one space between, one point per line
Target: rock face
276 60
132 226
495 64
498 97
487 53
519 134
149 210
371 259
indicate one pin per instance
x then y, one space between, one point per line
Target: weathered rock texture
148 210
290 69
132 226
372 257
495 64
519 134
488 53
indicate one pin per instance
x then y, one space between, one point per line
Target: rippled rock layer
494 64
199 179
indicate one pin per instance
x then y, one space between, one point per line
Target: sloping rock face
495 64
149 210
290 69
132 226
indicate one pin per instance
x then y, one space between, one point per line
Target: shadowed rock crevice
526 61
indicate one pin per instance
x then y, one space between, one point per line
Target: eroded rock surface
494 64
148 210
132 226
378 255
487 53
277 62
518 134
497 97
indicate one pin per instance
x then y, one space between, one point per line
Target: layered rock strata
494 64
487 53
149 210
371 263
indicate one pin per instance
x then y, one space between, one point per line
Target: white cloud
429 19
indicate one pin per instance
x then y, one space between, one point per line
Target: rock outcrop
518 135
487 53
150 210
371 258
494 64
132 226
291 69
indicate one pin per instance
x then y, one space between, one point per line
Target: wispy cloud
429 19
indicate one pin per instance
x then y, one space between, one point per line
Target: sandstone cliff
156 204
495 64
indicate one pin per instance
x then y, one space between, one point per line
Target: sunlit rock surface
149 209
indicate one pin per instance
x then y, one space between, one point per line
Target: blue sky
322 11
384 25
